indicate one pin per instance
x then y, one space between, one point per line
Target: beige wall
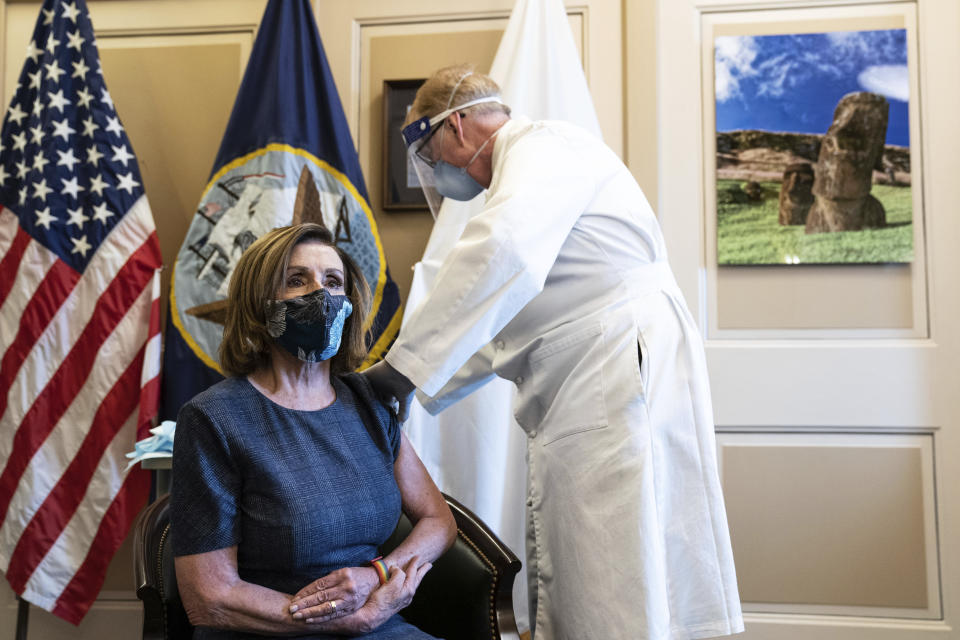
641 144
165 98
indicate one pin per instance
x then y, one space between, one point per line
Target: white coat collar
509 133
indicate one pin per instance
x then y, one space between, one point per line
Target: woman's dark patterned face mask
310 327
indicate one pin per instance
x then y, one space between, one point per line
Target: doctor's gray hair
435 94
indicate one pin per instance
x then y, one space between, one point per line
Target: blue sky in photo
793 82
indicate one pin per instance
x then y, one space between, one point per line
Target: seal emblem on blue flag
268 145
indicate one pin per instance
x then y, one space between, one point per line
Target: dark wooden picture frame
401 190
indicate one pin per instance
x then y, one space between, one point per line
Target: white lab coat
561 284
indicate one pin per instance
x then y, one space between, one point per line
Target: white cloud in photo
748 68
734 56
839 38
849 42
889 80
726 86
776 74
828 69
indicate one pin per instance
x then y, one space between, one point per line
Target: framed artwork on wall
401 188
812 178
813 139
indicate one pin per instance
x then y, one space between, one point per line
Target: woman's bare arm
214 596
434 528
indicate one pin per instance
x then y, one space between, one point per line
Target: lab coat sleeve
477 372
501 260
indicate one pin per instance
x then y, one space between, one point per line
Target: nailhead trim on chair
493 584
163 605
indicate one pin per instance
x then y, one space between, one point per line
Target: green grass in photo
748 232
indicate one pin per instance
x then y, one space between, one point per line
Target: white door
173 69
835 385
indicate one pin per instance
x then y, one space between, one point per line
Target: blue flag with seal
287 117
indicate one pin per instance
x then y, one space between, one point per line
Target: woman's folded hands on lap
348 588
350 597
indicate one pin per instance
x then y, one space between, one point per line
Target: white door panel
869 383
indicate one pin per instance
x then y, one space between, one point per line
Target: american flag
79 321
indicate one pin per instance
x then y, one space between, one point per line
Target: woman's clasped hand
349 594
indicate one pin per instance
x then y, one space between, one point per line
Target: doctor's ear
455 122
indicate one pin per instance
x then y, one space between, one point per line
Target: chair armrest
468 594
150 525
155 578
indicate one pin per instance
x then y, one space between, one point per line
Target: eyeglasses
422 149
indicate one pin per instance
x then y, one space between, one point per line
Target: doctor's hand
392 387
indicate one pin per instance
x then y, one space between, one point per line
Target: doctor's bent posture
561 284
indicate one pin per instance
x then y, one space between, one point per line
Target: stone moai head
798 182
852 147
796 193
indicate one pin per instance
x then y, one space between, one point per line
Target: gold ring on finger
333 606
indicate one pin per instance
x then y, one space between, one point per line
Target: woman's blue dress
300 493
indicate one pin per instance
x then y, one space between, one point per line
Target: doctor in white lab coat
561 284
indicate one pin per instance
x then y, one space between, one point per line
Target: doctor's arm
500 262
392 387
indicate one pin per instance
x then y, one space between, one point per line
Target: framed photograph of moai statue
401 187
813 157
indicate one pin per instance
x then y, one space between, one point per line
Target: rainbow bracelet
381 568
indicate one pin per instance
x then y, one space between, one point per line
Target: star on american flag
61 115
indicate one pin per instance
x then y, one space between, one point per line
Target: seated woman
288 475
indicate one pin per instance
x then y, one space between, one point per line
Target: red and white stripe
79 384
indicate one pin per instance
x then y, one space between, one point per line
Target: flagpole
23 617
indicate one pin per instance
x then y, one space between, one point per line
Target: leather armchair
467 595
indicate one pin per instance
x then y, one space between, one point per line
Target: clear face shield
417 136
